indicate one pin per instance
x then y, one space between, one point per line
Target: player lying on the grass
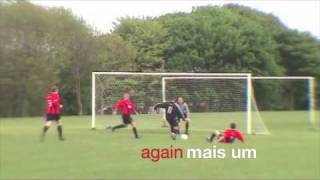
186 112
53 112
127 108
173 116
228 136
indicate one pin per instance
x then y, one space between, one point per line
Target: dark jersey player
173 116
228 136
127 107
53 112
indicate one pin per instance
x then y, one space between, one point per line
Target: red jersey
53 103
229 135
126 106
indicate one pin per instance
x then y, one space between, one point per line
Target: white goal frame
200 75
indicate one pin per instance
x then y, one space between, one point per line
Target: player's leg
187 124
125 122
220 138
113 128
216 134
175 131
174 128
134 129
46 126
59 127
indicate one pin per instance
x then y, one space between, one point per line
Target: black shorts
126 119
173 122
53 117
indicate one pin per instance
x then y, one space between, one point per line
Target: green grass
290 152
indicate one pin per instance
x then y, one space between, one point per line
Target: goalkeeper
186 112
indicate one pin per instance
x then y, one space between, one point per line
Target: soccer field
292 151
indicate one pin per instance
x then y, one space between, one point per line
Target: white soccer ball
184 136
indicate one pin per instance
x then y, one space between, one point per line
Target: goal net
289 97
223 99
215 99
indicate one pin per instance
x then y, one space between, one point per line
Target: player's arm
134 108
60 103
161 105
240 136
56 103
187 111
49 103
179 112
116 108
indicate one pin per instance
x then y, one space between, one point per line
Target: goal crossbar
170 74
284 77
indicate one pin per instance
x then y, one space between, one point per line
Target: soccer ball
184 136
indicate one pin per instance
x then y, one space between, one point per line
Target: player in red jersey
127 108
53 112
228 136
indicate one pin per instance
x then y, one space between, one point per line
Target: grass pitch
292 151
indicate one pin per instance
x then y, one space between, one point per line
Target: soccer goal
224 97
212 97
296 94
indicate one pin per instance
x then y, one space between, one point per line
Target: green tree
213 39
27 58
300 54
114 53
38 46
44 46
148 38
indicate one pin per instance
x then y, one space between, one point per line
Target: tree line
42 46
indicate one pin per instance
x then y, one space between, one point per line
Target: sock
45 129
118 126
171 129
59 128
176 131
134 129
212 136
187 128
